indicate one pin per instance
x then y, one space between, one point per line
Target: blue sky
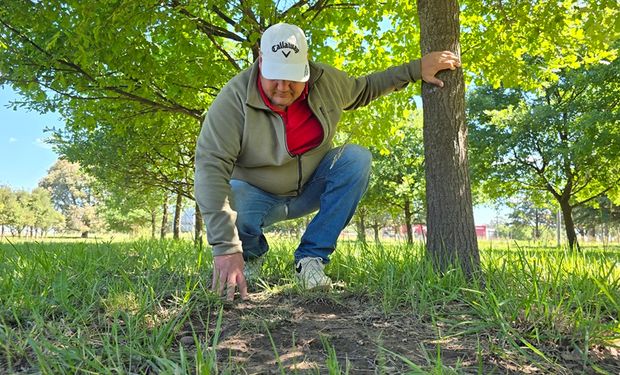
25 157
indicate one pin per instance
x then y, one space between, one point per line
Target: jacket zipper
298 157
322 121
300 174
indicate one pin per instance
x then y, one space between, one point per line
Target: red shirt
303 130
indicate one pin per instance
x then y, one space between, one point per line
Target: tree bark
176 229
376 227
361 226
569 225
451 233
198 227
153 223
408 216
164 218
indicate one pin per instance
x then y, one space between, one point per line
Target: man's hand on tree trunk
434 62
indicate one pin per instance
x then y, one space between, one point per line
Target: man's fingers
243 287
224 287
449 64
230 290
221 284
218 283
235 282
448 60
228 273
434 80
449 56
215 280
434 62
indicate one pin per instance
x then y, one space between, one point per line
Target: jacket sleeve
217 148
359 92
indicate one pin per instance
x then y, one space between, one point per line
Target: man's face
282 93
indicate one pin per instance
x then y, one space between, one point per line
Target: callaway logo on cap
284 52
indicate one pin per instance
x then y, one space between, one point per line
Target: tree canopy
73 193
132 80
563 140
22 211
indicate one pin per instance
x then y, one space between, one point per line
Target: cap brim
288 72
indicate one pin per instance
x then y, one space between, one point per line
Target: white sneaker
311 275
252 269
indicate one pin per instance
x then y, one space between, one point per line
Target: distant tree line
68 200
30 214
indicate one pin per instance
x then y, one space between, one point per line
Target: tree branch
223 16
229 58
204 26
599 194
247 12
76 69
298 4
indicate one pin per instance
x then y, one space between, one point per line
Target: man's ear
260 60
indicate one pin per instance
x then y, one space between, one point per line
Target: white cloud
12 140
40 142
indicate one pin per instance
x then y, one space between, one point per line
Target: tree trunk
537 224
408 216
569 225
361 227
451 233
592 233
376 227
176 229
153 223
198 227
164 219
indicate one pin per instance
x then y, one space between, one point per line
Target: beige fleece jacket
241 138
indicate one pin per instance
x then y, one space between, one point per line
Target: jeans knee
239 193
358 157
245 226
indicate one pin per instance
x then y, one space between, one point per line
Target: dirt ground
365 340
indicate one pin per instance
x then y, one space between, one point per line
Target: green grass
118 307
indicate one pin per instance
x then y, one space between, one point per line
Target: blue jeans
333 190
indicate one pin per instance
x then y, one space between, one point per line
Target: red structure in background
481 231
419 230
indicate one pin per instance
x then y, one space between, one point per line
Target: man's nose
283 85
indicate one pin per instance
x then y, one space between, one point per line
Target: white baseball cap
284 51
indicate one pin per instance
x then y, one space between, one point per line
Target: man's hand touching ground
434 62
228 276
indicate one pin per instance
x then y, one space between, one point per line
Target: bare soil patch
287 331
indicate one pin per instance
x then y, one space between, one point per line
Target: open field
144 307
